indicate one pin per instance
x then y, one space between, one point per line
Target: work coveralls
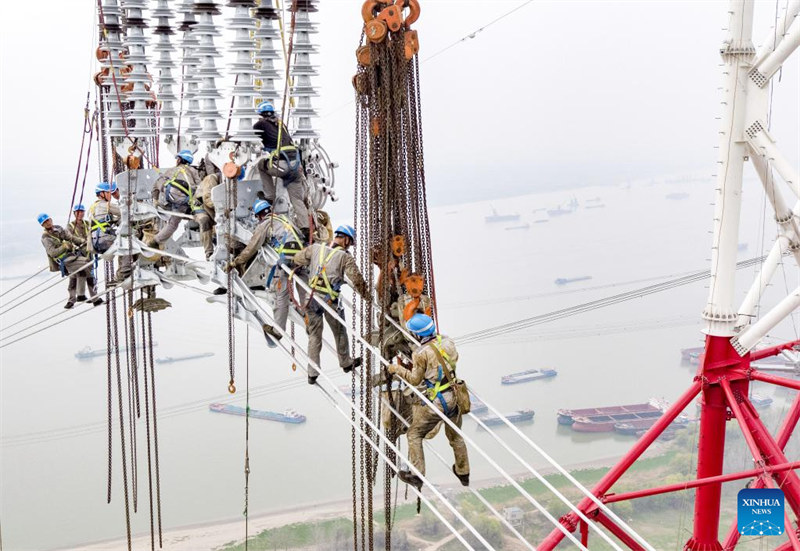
83 232
104 217
175 189
62 252
327 268
425 373
285 167
277 232
204 212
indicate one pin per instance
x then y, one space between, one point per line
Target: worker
278 232
103 216
204 212
114 191
433 365
284 164
175 190
80 229
328 266
63 256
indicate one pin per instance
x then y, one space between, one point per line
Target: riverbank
212 536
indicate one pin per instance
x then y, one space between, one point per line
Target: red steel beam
784 433
614 498
773 350
570 521
780 381
621 534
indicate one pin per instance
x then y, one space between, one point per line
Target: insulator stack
267 37
302 71
190 80
165 64
242 70
137 80
110 54
206 30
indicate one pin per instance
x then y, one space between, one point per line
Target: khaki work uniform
104 217
277 232
83 233
175 189
295 184
204 215
327 268
62 253
425 373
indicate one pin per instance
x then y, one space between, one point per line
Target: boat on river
518 416
568 416
288 416
527 376
170 359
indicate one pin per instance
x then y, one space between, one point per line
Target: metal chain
155 422
131 418
247 439
147 426
109 269
230 199
115 343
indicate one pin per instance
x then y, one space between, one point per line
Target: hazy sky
559 93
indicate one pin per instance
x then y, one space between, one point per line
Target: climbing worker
63 256
103 216
79 229
204 212
328 266
433 365
283 163
175 190
278 232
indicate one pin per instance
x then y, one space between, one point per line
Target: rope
86 122
247 440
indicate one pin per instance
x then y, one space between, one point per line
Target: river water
54 487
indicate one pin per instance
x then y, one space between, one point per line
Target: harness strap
322 272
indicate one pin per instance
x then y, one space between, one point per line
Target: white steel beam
737 53
764 145
751 337
773 61
774 38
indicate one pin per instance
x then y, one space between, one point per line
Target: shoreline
214 534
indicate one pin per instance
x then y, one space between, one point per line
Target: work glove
393 369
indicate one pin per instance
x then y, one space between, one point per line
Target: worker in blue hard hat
175 190
434 371
62 255
104 216
281 177
330 267
80 230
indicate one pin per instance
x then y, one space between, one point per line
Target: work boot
411 479
220 291
97 302
464 478
349 368
80 298
270 331
70 303
312 379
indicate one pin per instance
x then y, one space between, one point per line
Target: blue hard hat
241 173
260 206
102 186
78 207
42 218
186 155
113 187
421 325
265 107
349 231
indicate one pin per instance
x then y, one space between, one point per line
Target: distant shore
213 535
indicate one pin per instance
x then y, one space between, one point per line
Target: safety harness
435 389
184 188
322 274
59 260
101 224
